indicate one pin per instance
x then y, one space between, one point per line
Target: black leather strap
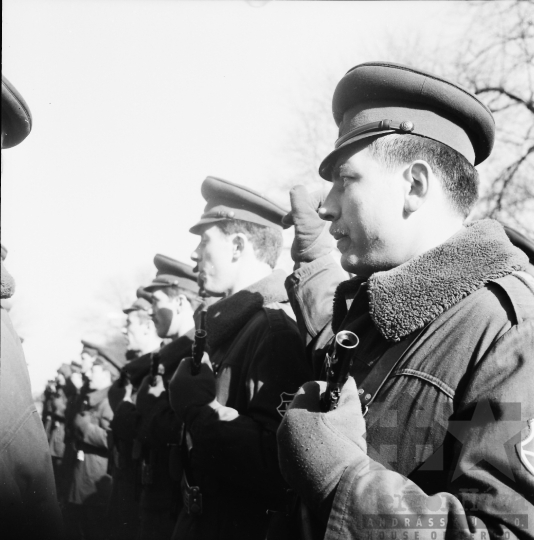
374 381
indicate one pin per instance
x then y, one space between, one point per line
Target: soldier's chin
353 264
211 289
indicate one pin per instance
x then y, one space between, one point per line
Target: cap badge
226 215
407 126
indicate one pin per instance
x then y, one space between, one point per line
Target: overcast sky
134 104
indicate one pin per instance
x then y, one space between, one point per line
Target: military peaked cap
379 98
173 273
90 346
114 354
141 293
16 116
65 370
226 200
141 304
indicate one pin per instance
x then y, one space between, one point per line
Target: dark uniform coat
91 484
259 362
28 503
455 419
56 437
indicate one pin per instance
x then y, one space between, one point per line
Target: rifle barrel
337 368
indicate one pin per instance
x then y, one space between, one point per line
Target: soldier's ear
183 300
239 242
417 176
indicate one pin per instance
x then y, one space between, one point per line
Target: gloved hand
81 422
188 392
312 239
118 393
77 379
147 395
315 448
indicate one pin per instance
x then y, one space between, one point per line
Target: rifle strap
376 378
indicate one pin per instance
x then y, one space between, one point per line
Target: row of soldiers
125 465
431 436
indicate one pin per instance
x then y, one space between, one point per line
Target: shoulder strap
519 287
382 369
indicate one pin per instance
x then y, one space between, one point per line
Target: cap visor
325 169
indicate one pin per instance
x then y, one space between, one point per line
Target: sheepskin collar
229 315
415 293
8 283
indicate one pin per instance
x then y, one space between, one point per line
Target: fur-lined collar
227 316
415 293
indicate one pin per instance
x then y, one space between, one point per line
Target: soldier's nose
325 214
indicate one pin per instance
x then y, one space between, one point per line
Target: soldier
232 485
142 339
140 330
28 501
174 299
436 423
90 487
77 388
58 405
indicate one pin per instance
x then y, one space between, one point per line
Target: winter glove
81 423
147 395
189 392
314 448
312 239
118 393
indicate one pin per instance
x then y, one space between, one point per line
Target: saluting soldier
28 501
90 487
78 389
433 434
232 485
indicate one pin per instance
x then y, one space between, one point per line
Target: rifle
337 368
199 344
155 368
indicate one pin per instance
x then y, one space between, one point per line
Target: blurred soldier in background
56 432
142 339
77 389
28 502
232 408
90 487
140 330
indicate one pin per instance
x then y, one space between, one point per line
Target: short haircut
172 291
458 177
266 241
